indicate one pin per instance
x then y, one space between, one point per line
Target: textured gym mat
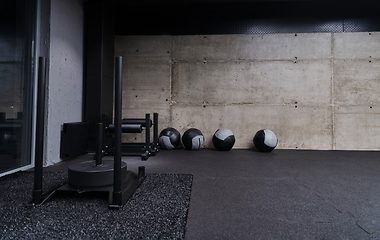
158 209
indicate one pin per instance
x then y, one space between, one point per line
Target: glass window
17 27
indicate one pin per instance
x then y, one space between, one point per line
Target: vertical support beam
99 144
147 137
117 193
155 132
37 191
99 64
104 121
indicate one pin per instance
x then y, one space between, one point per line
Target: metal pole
37 192
104 121
155 131
117 194
99 144
147 132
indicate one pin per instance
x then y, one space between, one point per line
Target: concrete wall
315 91
65 85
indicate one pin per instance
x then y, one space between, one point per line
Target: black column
117 193
39 149
99 63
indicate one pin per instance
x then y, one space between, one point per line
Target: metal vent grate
362 24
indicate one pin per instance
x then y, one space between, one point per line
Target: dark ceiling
182 17
191 2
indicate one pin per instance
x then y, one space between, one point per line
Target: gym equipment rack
109 176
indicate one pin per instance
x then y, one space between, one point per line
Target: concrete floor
286 194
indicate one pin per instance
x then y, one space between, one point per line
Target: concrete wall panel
146 74
258 46
266 82
356 45
292 84
357 127
65 86
357 82
146 89
143 46
146 79
301 127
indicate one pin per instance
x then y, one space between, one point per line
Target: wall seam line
333 92
171 81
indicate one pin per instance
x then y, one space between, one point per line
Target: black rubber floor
286 194
157 210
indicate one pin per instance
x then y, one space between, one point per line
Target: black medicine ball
265 140
193 139
223 139
169 138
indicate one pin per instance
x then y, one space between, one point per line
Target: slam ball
193 139
169 138
223 139
265 140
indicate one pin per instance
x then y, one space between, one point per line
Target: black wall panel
74 139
